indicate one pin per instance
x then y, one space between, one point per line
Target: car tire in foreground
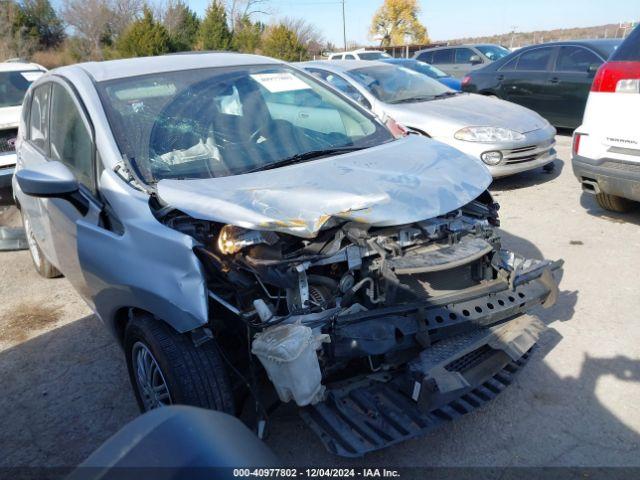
43 266
613 203
165 367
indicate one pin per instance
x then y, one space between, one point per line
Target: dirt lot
65 390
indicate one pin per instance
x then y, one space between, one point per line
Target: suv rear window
629 50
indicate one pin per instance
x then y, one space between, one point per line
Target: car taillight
396 129
466 80
619 77
576 143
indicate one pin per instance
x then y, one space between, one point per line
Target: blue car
428 70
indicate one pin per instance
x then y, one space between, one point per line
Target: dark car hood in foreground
400 182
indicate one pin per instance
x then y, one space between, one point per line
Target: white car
506 137
15 78
360 54
606 147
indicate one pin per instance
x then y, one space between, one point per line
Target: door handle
554 80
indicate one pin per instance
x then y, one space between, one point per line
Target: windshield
14 85
493 52
393 84
226 121
428 70
373 55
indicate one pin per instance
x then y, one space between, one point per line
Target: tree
144 37
91 21
182 23
214 32
396 23
39 20
281 42
247 35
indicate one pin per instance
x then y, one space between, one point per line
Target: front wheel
166 368
43 266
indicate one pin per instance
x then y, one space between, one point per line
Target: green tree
281 42
396 23
144 37
182 23
214 32
247 35
37 19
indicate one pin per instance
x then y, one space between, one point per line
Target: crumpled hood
400 182
9 117
448 115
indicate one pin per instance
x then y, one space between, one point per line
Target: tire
43 266
192 375
613 203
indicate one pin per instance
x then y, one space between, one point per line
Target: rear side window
575 59
629 50
535 60
70 139
39 118
341 84
349 57
510 65
463 55
443 56
426 57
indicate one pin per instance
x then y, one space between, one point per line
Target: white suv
15 78
606 147
360 54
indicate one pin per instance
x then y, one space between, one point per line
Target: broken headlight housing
488 134
232 239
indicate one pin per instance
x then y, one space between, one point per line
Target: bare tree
237 9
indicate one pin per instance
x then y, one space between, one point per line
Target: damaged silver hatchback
253 237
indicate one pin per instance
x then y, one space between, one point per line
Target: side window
71 141
510 65
349 57
426 57
39 118
575 59
24 116
463 55
443 56
535 60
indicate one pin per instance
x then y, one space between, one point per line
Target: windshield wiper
306 156
423 98
445 95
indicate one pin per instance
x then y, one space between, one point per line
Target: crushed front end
379 334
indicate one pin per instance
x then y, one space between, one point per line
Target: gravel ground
65 389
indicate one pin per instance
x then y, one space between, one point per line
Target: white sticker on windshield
280 82
31 76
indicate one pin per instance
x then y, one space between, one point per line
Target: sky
449 19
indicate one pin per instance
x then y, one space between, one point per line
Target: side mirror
593 68
47 180
475 59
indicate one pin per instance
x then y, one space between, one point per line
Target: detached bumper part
447 380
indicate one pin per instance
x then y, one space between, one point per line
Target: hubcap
151 383
31 241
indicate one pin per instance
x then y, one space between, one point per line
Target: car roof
132 67
341 65
18 66
599 44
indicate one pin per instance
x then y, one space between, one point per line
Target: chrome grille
528 153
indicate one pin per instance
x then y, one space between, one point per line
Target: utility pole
344 28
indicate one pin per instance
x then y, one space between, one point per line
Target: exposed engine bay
357 303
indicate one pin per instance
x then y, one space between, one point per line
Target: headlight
232 239
488 134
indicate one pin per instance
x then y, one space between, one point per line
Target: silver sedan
508 138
